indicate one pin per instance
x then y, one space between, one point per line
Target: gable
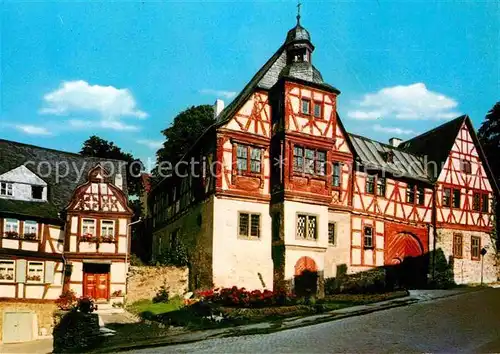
465 148
22 174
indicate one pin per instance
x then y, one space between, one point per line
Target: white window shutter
49 272
21 271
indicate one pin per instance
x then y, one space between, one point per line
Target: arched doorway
405 260
306 277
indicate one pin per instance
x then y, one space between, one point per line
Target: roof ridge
433 130
74 154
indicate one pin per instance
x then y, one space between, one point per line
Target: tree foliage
489 136
97 147
186 128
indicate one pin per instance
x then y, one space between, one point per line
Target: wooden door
96 285
18 327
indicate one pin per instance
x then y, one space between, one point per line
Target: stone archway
306 277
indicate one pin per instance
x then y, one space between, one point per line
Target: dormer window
37 192
299 56
6 189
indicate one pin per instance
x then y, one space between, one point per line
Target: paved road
463 323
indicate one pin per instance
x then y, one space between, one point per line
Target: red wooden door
96 286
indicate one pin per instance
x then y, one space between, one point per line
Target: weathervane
298 11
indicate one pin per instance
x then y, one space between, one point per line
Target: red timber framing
464 171
324 133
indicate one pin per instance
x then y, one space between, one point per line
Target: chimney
218 107
395 142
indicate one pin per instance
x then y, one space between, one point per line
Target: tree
97 147
489 136
186 128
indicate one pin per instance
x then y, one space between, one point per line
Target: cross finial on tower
299 4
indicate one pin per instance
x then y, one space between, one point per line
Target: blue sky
123 70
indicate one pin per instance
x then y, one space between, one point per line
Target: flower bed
240 297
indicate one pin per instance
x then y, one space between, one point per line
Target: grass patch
148 307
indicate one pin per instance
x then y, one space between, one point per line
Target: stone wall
144 282
466 270
44 314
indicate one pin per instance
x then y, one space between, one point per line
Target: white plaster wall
54 292
20 290
8 290
238 261
340 252
122 244
30 245
107 247
74 224
8 243
122 227
118 272
291 209
72 243
77 272
88 247
34 291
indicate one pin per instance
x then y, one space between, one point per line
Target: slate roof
275 69
44 162
435 143
373 155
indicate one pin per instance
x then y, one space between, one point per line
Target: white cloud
79 124
79 96
32 129
392 130
152 144
412 102
219 93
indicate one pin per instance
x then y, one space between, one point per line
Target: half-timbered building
63 226
280 187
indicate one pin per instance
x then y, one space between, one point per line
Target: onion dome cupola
299 50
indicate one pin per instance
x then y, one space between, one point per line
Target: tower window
318 110
306 106
36 192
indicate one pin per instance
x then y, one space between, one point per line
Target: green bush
162 295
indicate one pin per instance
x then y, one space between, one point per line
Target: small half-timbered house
63 225
281 188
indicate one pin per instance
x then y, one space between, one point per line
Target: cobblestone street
465 323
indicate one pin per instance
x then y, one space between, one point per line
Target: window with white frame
307 227
6 188
35 272
7 270
30 231
88 227
368 237
107 230
11 228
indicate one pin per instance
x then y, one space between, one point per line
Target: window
306 106
420 196
309 160
30 230
336 174
107 230
243 152
370 184
306 227
249 225
410 193
446 197
331 233
318 110
381 186
457 246
36 192
466 167
476 201
11 228
368 237
456 198
5 188
485 203
35 272
475 247
88 227
7 271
